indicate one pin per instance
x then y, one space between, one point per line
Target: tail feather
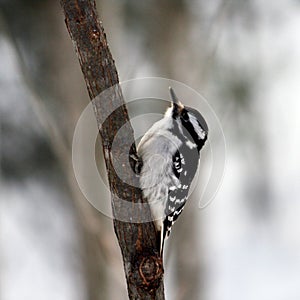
162 235
160 241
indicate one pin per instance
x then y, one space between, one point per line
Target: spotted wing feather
177 195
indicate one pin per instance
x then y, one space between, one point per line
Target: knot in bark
149 270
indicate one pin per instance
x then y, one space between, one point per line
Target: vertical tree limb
142 264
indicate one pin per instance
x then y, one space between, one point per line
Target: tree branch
142 264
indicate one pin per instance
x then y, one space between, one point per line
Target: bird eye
185 116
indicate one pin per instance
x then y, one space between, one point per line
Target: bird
168 156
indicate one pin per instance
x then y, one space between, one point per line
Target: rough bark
137 239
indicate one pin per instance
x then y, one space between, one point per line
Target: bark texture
137 238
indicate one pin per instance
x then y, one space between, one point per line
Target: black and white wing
178 195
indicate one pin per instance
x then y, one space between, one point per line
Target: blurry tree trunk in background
51 69
188 262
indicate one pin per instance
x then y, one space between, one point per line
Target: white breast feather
157 172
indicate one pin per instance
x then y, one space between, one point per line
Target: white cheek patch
200 132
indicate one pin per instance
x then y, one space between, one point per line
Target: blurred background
244 57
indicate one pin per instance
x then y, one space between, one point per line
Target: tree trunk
137 238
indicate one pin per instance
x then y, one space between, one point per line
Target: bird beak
173 96
176 104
